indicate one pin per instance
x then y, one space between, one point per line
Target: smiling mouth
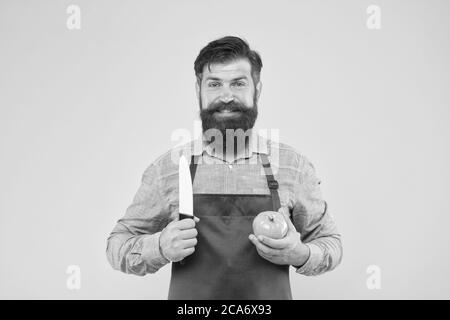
227 113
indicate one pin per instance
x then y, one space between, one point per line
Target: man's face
228 97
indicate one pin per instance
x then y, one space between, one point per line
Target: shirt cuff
315 258
150 253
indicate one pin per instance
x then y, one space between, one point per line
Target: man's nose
226 96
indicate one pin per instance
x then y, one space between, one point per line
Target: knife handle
184 216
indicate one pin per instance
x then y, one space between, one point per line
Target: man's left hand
288 250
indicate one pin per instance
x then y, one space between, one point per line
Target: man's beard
234 129
244 120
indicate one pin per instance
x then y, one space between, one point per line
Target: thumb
286 214
284 210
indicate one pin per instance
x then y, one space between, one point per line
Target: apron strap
271 182
193 166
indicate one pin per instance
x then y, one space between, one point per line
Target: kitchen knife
185 195
185 204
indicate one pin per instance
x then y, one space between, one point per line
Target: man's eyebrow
213 78
234 79
240 78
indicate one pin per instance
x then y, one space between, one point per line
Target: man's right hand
178 239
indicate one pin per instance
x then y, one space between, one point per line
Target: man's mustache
230 106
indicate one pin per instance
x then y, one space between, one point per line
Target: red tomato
271 224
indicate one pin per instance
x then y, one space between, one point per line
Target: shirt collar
257 144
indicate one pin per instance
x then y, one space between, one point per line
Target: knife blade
185 194
186 207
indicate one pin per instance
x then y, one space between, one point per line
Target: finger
284 210
188 251
286 216
189 243
274 243
265 256
186 224
188 233
196 219
262 247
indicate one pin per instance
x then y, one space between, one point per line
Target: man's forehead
234 67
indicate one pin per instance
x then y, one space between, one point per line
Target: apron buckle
273 184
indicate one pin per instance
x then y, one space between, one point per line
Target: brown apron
225 264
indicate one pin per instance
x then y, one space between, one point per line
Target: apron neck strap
271 182
193 166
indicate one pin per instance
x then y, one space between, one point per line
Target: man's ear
258 89
197 90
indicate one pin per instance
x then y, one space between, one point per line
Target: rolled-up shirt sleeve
313 220
133 245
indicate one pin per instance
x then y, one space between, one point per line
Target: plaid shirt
133 245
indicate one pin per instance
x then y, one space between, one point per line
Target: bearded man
222 258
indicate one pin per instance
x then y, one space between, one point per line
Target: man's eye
239 84
213 84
